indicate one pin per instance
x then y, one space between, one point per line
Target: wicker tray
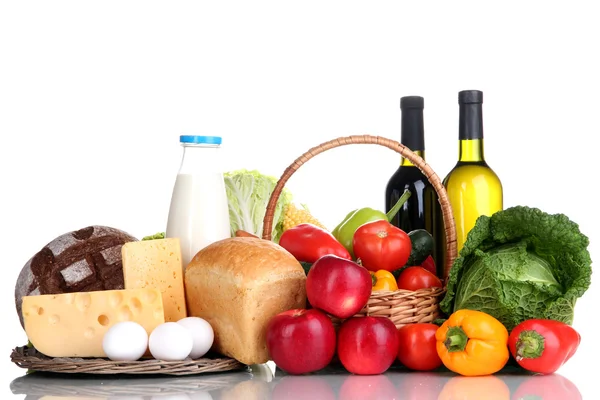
401 306
30 358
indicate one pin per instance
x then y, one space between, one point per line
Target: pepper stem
456 339
530 344
392 213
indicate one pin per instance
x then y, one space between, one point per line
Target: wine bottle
473 187
421 210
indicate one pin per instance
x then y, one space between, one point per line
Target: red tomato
381 245
418 348
415 278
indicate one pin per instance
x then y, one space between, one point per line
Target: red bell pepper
543 345
308 243
429 265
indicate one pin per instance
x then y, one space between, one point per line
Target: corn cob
294 216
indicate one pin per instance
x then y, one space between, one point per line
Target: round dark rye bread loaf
82 261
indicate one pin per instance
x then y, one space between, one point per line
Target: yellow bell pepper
383 280
472 343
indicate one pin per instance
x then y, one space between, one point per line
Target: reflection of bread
238 285
82 261
248 390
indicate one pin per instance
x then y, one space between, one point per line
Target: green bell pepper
346 218
344 232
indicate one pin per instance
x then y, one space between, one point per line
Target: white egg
125 341
202 335
170 342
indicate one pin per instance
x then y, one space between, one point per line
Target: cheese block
157 264
85 260
74 324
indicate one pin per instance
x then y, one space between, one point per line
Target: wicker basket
401 306
30 358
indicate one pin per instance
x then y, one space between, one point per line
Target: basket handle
449 225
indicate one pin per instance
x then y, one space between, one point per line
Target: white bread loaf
238 284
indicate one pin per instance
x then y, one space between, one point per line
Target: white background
93 97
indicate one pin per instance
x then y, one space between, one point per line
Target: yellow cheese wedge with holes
74 324
157 263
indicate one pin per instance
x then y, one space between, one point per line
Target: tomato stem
456 339
392 213
530 344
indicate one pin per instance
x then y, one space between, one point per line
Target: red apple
338 286
367 345
301 341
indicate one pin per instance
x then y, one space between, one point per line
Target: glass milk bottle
199 212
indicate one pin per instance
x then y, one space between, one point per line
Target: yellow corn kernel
294 216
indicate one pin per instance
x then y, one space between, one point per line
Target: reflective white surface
261 383
94 96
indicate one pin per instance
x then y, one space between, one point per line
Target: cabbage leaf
518 264
248 193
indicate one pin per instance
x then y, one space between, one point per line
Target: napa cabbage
248 193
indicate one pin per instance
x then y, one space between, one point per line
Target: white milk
199 212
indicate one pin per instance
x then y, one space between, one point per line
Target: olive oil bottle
422 209
473 187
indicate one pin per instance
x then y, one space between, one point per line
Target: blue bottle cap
200 139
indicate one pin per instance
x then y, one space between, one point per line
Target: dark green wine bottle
421 210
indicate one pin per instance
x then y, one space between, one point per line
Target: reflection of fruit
418 347
421 385
376 387
367 345
338 286
547 387
303 388
488 387
301 341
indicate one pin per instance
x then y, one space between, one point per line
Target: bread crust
85 260
238 285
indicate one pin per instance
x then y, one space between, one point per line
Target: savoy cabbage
518 264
